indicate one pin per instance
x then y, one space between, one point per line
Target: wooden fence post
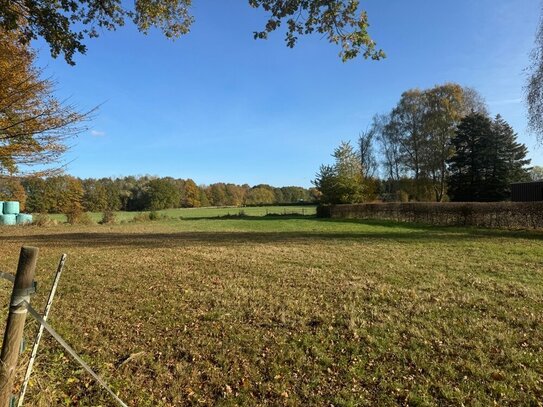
24 283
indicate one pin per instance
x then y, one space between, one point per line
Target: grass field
194 213
295 312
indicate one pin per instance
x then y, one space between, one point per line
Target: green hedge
482 214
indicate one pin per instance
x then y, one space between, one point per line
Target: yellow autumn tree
34 124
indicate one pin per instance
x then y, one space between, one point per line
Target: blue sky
216 105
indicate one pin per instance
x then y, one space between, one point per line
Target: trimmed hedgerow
481 214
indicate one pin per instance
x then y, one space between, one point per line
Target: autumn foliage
34 125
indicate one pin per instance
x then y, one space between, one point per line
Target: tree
65 25
161 193
11 189
510 162
295 194
235 194
534 86
35 192
536 173
95 197
466 174
406 129
260 195
70 200
415 138
389 148
126 187
113 194
191 197
217 194
204 201
58 194
342 182
486 161
446 105
368 160
137 194
34 125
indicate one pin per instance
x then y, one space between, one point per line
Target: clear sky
216 105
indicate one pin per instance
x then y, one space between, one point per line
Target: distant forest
67 194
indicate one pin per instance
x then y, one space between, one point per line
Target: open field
301 311
210 212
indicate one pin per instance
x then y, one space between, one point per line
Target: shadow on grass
536 234
271 216
412 234
533 234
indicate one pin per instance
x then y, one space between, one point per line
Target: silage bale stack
7 217
10 214
24 218
11 207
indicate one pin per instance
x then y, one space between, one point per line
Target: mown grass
273 311
209 212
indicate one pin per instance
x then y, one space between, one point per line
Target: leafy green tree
95 197
58 194
342 182
486 161
64 25
124 187
54 187
294 194
137 200
113 194
104 194
35 188
204 201
161 193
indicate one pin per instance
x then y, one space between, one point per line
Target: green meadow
287 311
209 212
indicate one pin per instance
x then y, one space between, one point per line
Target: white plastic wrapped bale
11 208
8 219
24 218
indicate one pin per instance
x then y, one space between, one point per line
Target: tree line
67 194
436 144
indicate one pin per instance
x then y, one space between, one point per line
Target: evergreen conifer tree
486 161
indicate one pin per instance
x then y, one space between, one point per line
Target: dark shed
527 191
